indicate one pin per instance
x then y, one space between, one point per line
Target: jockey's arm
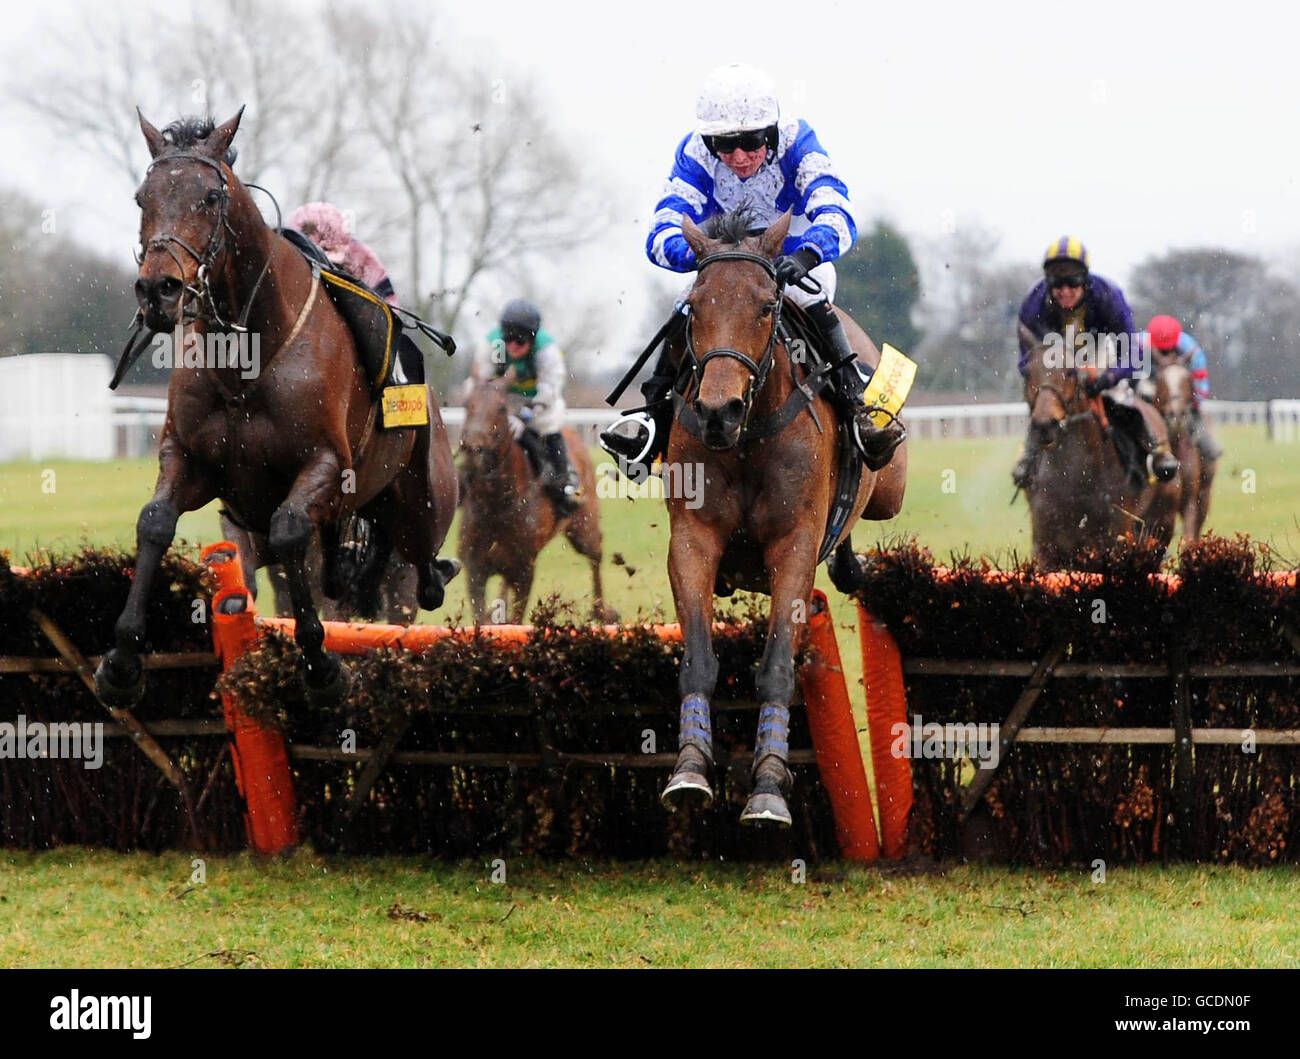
688 191
823 198
550 376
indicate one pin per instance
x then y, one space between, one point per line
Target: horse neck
253 243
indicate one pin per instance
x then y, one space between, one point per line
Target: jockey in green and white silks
520 346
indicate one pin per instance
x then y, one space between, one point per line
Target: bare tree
460 175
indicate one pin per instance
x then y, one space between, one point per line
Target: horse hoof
328 682
433 582
119 680
766 809
687 789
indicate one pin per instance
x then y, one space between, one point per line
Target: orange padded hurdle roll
261 758
882 675
835 738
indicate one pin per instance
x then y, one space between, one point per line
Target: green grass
76 907
79 908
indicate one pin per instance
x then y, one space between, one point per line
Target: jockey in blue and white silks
742 154
800 177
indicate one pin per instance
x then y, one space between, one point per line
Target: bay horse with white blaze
292 449
766 496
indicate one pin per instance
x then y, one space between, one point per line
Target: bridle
203 305
1070 418
758 370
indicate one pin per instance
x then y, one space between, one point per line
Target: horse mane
186 133
733 227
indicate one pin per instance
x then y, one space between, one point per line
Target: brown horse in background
1081 494
765 500
508 519
291 450
1175 400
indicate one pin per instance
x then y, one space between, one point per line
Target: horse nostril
732 412
169 287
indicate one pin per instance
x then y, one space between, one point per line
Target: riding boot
1161 462
410 360
559 479
629 438
877 444
531 442
1210 449
1023 472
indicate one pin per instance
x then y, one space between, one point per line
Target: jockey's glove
516 426
1094 386
793 267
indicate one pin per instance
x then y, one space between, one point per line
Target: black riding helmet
521 315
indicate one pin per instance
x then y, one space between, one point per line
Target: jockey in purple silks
1073 300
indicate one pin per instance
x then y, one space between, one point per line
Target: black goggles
746 141
1066 281
516 334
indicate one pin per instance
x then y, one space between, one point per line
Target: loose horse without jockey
1073 303
519 346
743 155
1166 336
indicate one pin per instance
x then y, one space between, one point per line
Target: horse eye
767 309
213 197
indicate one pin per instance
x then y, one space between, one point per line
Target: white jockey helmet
736 98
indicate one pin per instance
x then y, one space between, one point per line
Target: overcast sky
1138 127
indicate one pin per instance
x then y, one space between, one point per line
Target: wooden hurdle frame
884 670
265 779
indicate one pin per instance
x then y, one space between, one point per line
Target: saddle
379 335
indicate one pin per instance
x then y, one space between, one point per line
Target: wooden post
1184 795
260 755
1012 725
835 737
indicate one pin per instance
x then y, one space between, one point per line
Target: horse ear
218 140
770 242
152 136
695 236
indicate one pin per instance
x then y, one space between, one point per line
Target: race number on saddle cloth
744 155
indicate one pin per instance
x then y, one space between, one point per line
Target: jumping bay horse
291 450
760 520
508 519
1175 401
1082 494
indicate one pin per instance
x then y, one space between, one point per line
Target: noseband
760 369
